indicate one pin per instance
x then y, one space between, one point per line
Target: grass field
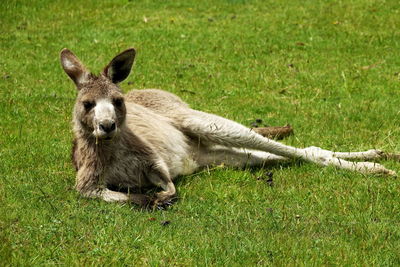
329 68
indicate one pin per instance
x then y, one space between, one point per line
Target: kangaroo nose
107 127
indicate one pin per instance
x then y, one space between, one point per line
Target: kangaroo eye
118 102
88 105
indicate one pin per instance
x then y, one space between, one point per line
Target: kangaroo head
99 109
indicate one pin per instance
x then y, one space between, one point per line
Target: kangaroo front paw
163 204
143 201
163 200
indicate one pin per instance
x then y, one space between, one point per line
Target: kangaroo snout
107 127
105 120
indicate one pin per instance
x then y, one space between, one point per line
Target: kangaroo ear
120 67
73 67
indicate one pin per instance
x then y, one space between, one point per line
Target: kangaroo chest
127 170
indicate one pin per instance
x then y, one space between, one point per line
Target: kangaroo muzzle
105 126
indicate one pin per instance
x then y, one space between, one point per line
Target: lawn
331 69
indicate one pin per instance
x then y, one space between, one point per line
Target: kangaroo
149 137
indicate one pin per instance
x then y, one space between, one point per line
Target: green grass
329 68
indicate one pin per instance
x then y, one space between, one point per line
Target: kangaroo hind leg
212 129
236 157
